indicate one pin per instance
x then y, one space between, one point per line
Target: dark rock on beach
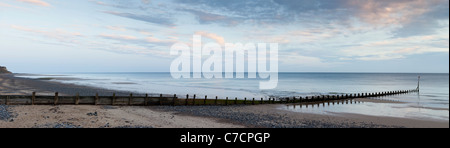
4 70
5 115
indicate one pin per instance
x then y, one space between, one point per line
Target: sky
45 36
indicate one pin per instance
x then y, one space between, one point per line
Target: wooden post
130 99
114 99
77 99
56 98
204 102
187 97
174 99
160 99
226 101
33 97
215 101
96 99
418 84
194 99
146 100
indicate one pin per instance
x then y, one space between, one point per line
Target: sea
431 103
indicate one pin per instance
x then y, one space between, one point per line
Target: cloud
219 39
295 59
396 48
160 41
129 4
118 37
11 6
410 17
56 34
116 28
208 18
146 18
132 40
36 2
235 11
426 23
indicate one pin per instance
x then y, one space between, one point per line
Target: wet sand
265 116
270 116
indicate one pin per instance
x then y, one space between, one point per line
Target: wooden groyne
325 98
87 100
147 100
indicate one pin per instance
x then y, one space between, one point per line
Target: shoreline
257 116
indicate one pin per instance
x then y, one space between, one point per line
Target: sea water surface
431 103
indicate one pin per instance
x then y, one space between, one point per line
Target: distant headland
3 70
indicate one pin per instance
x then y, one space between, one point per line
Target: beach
240 116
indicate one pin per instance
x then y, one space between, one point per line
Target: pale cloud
36 2
160 41
119 37
398 48
6 5
207 18
116 28
301 60
389 12
148 17
219 39
380 57
57 34
126 49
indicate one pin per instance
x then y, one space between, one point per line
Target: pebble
92 114
5 115
59 125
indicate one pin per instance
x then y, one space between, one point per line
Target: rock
3 70
5 115
92 114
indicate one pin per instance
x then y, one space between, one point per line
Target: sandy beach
89 116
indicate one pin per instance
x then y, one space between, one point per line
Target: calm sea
431 103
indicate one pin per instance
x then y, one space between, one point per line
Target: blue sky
39 36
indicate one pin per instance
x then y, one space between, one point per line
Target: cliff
3 70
